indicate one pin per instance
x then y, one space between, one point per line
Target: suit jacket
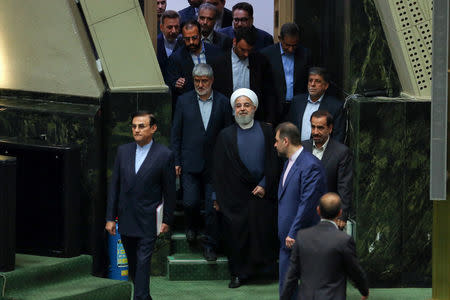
322 258
299 197
161 53
260 82
192 144
180 64
186 14
133 198
263 39
227 19
302 62
337 160
328 103
222 41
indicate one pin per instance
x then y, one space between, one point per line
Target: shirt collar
329 221
324 146
207 100
296 155
145 147
167 43
209 38
318 101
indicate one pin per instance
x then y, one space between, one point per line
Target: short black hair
330 210
246 34
289 29
289 131
169 14
191 23
323 113
244 6
320 71
143 113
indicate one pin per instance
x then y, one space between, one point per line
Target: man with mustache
245 179
303 105
199 117
335 157
181 62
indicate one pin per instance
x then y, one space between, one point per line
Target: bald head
330 206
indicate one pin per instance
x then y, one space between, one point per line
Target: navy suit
133 198
180 64
227 19
302 62
161 54
193 147
187 14
222 41
328 103
297 202
263 39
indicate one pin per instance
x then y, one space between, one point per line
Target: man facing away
143 174
303 105
244 178
199 117
335 157
323 257
302 183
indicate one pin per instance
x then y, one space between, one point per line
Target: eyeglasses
140 126
241 20
188 38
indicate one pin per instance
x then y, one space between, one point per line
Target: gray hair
202 70
209 6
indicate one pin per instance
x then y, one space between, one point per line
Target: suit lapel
328 150
148 161
280 184
291 173
213 113
301 110
279 66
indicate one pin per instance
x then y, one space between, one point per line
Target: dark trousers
139 255
284 262
238 256
198 189
286 106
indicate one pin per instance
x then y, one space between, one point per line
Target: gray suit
337 160
322 258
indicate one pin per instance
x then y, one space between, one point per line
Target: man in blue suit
199 117
243 18
167 41
143 175
302 183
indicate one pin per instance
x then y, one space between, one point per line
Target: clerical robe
249 221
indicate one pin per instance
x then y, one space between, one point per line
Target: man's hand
111 227
289 242
365 297
341 223
180 83
216 205
164 228
259 191
178 170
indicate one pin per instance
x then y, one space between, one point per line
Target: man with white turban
245 180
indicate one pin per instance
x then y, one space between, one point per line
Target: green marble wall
390 140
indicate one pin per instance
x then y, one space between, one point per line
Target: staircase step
195 267
181 245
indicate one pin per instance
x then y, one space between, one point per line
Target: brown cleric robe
249 222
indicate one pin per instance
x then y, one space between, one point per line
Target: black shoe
235 282
209 254
190 236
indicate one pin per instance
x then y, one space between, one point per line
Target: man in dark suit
225 17
335 157
191 12
302 183
323 257
207 14
303 105
242 67
144 174
290 63
167 40
199 117
181 62
243 18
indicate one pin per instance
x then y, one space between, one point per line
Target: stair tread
193 257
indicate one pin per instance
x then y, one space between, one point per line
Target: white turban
244 92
